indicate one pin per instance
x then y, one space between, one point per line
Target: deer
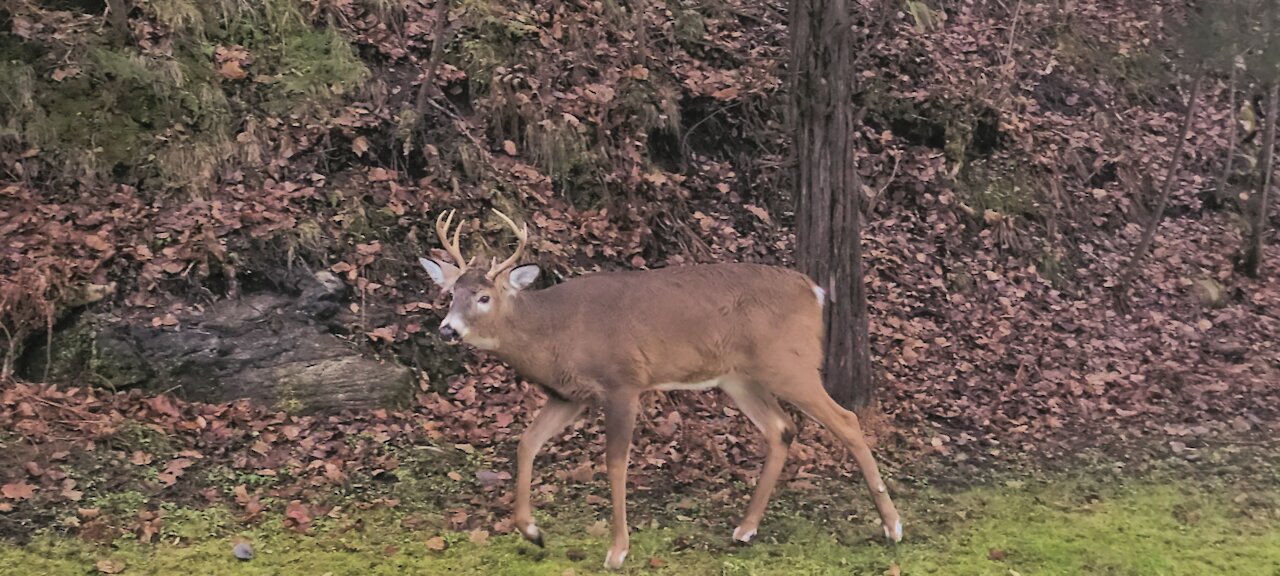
603 339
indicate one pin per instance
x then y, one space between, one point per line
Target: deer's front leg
619 421
551 420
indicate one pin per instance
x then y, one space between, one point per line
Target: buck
605 339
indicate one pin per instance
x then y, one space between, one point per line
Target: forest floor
1216 513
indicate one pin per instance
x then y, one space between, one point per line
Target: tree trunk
118 17
1252 260
828 227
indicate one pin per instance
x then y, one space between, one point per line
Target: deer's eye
483 300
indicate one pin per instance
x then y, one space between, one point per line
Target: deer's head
480 297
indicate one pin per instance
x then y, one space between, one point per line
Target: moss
167 121
491 38
690 24
132 437
313 67
1059 527
653 104
926 19
1137 73
1007 192
124 503
79 353
1055 266
182 16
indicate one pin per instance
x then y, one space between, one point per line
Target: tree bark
828 226
118 17
1149 235
1252 260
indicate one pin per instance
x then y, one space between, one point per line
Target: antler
442 230
522 234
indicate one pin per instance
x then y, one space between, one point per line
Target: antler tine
443 221
522 234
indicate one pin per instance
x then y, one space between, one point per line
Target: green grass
1043 528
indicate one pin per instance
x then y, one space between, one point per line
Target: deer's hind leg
807 394
762 408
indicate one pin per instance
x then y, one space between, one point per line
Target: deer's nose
448 333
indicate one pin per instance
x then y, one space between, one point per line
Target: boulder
269 347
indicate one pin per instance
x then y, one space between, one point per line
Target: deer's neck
528 337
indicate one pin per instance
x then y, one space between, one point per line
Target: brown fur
723 314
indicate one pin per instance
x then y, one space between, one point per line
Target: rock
242 551
1209 293
269 347
1232 350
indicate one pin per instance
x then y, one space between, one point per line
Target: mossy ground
1049 526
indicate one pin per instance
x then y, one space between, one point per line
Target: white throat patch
464 332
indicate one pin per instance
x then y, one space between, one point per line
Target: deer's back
689 325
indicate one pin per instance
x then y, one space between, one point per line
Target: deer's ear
522 276
443 274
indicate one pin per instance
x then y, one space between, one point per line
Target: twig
1251 259
1224 183
437 52
1148 236
684 140
874 200
6 369
1013 35
58 405
465 130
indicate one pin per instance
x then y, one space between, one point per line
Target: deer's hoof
894 534
744 535
613 560
533 534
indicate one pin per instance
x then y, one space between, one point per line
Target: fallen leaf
110 566
18 491
97 243
231 70
63 73
437 544
725 93
759 213
637 72
297 516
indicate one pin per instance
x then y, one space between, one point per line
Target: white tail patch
821 294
